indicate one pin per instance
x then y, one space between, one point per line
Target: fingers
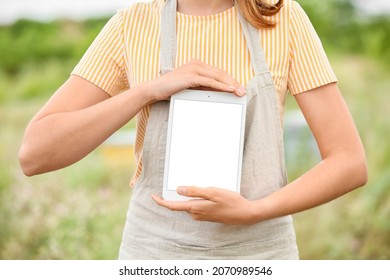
196 192
209 83
172 205
208 194
194 74
190 206
213 77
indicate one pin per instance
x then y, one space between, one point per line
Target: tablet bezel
201 95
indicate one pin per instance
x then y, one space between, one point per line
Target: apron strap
253 41
168 40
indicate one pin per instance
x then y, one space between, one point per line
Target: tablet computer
205 141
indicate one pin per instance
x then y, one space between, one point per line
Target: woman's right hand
196 75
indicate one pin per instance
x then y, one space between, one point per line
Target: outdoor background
79 212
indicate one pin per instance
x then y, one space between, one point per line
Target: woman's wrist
144 93
261 210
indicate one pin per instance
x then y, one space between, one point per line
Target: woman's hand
213 205
196 75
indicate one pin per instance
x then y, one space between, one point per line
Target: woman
247 47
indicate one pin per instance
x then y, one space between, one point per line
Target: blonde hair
257 11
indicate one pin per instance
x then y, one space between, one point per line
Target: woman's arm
343 166
77 118
342 169
80 116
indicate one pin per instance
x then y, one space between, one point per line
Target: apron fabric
153 232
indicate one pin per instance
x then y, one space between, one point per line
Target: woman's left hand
213 205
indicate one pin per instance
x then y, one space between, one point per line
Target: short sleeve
103 64
309 65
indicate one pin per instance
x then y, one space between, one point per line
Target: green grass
79 212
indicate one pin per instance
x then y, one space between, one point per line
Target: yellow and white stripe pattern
127 52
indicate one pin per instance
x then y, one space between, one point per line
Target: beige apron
153 232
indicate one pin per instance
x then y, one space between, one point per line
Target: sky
11 10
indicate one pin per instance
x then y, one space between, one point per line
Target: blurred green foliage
27 42
79 212
344 28
30 50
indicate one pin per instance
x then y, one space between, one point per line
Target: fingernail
181 190
241 91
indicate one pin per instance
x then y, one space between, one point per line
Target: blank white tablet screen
205 145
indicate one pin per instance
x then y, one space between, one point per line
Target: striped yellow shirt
127 53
